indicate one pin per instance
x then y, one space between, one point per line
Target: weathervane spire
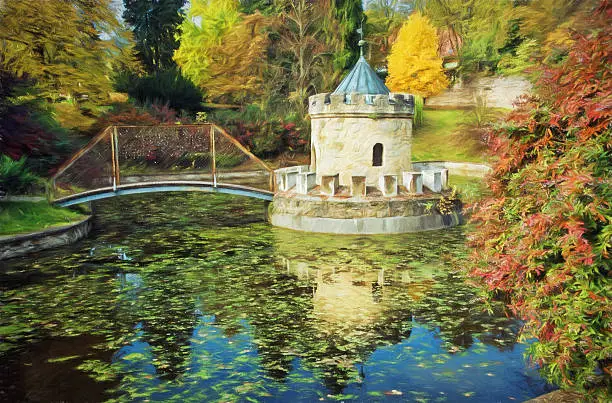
361 41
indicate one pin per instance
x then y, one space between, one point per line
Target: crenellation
319 99
381 101
358 99
398 98
401 105
335 100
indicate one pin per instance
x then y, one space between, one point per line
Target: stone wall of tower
345 129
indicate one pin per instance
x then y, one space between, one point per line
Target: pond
193 297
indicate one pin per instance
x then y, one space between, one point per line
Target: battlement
394 104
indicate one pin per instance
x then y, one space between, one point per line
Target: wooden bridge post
111 136
214 156
267 210
117 171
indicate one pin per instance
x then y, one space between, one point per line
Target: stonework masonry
345 129
382 216
302 205
500 92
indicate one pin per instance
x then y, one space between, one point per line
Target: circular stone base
371 215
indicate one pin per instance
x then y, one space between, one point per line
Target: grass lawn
24 217
470 188
445 136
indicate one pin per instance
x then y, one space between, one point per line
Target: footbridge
124 160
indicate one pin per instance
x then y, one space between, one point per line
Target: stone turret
365 132
360 179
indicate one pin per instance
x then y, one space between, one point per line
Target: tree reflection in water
215 307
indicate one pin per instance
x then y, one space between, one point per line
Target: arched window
377 155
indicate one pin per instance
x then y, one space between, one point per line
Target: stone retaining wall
354 226
498 92
379 216
329 208
32 199
14 246
455 168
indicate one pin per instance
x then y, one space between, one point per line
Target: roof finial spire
361 41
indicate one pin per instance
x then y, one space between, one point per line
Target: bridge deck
163 186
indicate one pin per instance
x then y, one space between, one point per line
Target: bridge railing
122 155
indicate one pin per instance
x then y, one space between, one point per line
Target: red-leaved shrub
544 238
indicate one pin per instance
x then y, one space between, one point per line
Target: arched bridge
125 160
166 186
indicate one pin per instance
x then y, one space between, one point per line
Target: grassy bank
446 135
25 217
470 188
450 135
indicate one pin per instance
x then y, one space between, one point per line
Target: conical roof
362 80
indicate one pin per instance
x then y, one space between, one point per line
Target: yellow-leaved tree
223 51
414 65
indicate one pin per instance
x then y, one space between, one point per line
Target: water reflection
355 309
48 371
362 301
204 306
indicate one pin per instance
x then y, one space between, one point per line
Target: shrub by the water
264 135
544 238
30 130
166 87
15 177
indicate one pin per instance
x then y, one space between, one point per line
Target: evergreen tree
155 24
349 14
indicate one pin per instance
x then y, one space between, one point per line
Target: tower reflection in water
359 301
369 292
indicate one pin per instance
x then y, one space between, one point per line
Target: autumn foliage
223 51
544 239
414 64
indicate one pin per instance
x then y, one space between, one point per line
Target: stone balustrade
286 178
413 182
330 184
433 180
388 185
444 178
305 182
358 186
457 168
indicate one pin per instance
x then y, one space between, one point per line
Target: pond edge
12 246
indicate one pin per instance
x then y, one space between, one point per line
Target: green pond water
194 297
